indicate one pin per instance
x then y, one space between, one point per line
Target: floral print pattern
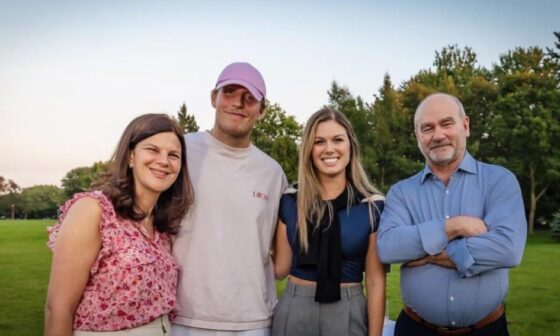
134 278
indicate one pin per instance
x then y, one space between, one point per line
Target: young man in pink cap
226 278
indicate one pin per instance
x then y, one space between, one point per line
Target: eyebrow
437 122
334 136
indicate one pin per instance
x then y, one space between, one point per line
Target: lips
236 114
439 146
159 173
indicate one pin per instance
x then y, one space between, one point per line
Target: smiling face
237 110
155 163
441 132
331 150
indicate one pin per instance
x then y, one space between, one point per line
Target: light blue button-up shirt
412 226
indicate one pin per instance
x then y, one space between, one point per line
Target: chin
160 187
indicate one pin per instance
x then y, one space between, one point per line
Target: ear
466 125
262 110
213 96
131 159
417 135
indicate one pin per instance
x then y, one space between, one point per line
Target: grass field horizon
532 302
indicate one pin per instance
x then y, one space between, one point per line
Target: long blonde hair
310 207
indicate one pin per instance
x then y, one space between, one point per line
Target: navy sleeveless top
355 230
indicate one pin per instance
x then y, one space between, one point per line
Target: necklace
148 229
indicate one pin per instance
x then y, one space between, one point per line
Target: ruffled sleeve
107 219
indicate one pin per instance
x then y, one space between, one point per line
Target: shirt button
446 216
452 322
447 191
451 298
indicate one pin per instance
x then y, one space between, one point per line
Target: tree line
513 106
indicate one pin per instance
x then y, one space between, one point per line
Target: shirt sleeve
502 246
399 239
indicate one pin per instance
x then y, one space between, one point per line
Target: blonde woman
326 239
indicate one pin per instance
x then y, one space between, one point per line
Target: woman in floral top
112 267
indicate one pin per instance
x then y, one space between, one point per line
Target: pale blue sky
74 73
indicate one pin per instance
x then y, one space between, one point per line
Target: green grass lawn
532 303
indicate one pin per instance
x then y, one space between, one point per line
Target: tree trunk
533 202
534 199
532 210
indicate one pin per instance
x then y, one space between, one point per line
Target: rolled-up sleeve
502 246
399 239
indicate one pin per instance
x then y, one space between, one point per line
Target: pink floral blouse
132 281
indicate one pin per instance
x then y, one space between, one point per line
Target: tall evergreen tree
392 137
186 121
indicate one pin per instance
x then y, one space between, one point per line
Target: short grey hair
462 113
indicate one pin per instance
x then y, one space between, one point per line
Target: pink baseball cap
244 74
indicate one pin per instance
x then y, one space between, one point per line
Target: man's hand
464 226
440 259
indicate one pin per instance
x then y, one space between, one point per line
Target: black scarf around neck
325 249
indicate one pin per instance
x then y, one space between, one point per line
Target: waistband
451 331
303 290
161 324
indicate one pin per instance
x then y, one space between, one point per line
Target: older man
457 226
226 283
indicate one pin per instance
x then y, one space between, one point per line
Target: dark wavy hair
118 182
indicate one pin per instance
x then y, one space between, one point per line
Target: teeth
330 160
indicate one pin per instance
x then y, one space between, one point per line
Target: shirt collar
468 165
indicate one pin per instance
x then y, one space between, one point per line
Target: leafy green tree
278 134
525 128
8 186
456 72
40 201
80 179
186 121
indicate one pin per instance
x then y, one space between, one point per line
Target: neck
146 203
331 187
232 141
444 172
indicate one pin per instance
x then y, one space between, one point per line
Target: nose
239 99
330 147
439 134
163 159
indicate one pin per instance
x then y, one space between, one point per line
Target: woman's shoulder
92 205
288 206
374 198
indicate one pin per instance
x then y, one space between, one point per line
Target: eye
319 142
175 156
249 99
426 129
228 90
